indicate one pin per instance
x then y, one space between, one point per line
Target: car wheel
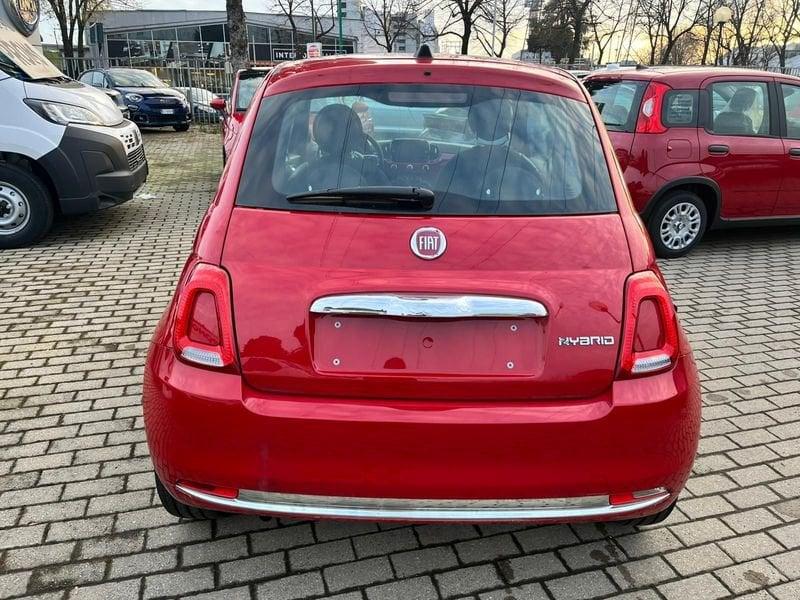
26 209
181 127
650 519
179 509
677 224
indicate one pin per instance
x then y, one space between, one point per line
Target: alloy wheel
680 226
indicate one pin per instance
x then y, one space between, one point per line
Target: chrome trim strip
433 306
546 509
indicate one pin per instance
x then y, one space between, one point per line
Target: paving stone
641 573
359 573
251 569
321 555
414 562
467 580
419 588
591 584
698 559
699 587
289 588
179 582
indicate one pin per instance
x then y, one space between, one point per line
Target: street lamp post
721 17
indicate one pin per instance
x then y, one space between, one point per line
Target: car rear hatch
618 101
516 308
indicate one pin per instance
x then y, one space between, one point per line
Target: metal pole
719 46
340 40
494 25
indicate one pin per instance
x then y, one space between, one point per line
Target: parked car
405 329
152 102
703 148
245 84
200 100
64 147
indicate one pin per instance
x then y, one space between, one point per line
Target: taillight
650 114
650 329
203 332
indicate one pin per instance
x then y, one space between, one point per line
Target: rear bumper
420 461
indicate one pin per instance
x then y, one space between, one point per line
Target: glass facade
209 43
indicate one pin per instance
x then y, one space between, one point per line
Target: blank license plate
167 111
382 345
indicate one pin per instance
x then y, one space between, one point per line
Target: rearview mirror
218 104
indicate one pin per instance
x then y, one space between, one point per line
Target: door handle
719 149
794 151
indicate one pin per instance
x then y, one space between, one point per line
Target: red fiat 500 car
244 88
390 326
704 148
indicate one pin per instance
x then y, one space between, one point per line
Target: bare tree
498 19
386 21
666 22
460 18
748 24
783 25
73 16
237 34
323 17
292 10
605 22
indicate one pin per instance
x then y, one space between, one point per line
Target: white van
64 146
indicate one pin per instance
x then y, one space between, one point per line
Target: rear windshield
247 87
618 102
480 150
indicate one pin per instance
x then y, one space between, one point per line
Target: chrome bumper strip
433 306
337 507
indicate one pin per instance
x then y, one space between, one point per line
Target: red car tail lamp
203 332
650 115
650 330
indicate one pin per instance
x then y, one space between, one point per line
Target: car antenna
424 51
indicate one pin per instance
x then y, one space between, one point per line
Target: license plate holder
400 346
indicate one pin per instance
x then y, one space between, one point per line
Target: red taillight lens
649 120
650 328
203 332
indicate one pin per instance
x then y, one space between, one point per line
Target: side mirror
218 104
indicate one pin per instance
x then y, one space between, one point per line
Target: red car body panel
756 179
283 422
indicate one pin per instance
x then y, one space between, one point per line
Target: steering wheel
374 146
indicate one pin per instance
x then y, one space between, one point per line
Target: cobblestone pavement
78 513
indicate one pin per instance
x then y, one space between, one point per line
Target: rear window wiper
409 198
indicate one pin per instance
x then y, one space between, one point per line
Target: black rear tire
651 519
25 195
179 509
676 200
181 127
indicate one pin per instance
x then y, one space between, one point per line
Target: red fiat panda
455 316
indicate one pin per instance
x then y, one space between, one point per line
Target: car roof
460 70
684 75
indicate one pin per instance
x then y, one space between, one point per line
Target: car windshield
247 88
480 150
135 78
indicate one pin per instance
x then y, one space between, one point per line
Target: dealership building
140 36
